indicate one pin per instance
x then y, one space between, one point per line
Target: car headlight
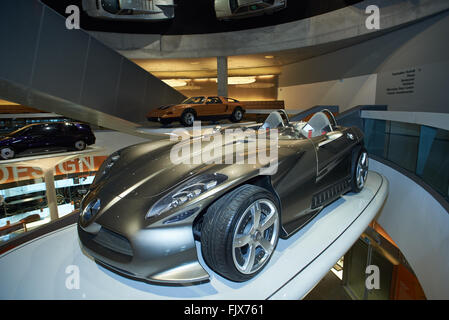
106 166
91 210
186 192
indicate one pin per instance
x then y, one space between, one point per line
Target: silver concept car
134 10
145 215
235 9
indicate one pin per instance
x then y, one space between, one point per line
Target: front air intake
113 241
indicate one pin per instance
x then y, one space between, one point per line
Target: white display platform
46 267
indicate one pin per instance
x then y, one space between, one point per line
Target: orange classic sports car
199 108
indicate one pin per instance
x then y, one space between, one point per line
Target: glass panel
421 150
355 264
386 273
23 201
435 170
375 136
72 181
23 197
403 144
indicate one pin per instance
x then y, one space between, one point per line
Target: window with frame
213 100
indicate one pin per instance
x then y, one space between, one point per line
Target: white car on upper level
236 9
133 10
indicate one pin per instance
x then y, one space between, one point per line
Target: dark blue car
45 137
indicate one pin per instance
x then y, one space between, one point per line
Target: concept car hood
144 170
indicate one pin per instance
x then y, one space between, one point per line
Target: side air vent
329 194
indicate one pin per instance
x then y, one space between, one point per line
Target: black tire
188 117
80 145
237 115
358 178
7 153
223 222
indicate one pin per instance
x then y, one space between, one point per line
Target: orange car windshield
194 100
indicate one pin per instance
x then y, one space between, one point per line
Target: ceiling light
268 76
202 79
190 88
258 85
176 82
240 80
269 57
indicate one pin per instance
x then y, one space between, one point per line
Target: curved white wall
420 227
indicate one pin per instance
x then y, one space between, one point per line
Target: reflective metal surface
144 174
255 236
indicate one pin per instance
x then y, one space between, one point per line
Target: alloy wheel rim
79 145
362 170
189 118
255 236
7 153
238 115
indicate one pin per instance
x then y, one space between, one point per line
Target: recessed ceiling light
240 80
269 57
268 76
202 79
176 82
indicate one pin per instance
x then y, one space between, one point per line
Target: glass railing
23 192
419 149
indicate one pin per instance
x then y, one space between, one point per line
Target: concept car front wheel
240 232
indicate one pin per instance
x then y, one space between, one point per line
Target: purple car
45 137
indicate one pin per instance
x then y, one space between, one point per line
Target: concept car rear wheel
6 153
240 232
359 170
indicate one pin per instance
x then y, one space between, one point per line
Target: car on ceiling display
143 214
236 9
199 108
144 10
44 137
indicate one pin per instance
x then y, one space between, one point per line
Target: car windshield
111 6
289 132
18 132
194 100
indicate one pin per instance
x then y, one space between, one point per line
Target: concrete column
222 76
51 193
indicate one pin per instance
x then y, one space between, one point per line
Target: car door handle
323 143
330 137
